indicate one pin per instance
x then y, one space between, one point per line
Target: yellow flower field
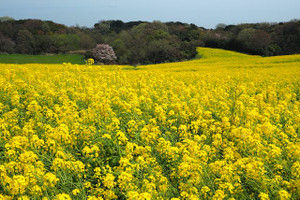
225 126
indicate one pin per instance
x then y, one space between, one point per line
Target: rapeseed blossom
221 127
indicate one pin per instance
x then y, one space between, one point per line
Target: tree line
141 42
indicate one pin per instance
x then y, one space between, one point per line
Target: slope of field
41 59
225 126
217 58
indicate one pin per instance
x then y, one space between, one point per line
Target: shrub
90 61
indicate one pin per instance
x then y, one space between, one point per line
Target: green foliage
6 44
66 42
140 42
6 18
25 42
150 43
255 41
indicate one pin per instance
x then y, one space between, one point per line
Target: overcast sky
206 13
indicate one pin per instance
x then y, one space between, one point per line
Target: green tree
6 18
121 50
6 44
25 42
255 41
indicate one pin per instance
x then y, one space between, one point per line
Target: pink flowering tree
103 53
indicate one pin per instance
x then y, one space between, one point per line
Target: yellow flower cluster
225 126
90 61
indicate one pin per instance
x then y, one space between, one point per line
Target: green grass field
47 59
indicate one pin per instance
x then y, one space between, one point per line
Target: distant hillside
140 42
